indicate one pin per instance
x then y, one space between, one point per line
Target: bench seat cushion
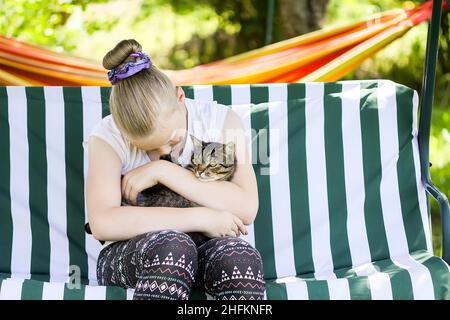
338 172
419 275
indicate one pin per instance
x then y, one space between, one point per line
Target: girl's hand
222 223
141 178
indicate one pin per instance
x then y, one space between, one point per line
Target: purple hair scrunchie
130 68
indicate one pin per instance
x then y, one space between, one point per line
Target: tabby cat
211 161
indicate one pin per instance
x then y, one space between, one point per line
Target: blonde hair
135 102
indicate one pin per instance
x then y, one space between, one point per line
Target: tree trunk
296 17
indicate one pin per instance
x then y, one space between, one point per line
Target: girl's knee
234 251
169 247
171 237
174 251
235 244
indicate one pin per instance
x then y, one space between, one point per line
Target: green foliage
340 11
440 149
240 27
41 22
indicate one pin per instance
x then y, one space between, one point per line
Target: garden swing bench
343 179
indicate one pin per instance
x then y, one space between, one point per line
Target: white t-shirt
205 122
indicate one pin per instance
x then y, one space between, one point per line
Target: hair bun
120 54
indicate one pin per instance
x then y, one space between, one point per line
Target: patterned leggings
167 264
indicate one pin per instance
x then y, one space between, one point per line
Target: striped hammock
323 55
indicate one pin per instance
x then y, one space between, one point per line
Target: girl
148 248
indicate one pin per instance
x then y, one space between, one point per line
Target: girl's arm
111 221
239 195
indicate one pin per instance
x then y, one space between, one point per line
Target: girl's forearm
125 222
219 195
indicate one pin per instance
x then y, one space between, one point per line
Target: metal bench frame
426 104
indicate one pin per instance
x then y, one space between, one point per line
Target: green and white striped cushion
382 280
30 289
338 175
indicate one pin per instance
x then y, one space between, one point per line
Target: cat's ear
197 155
198 145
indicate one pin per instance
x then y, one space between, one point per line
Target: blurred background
182 34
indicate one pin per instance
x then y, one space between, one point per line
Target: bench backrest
337 166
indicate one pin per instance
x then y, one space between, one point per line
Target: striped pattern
27 289
343 214
382 280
